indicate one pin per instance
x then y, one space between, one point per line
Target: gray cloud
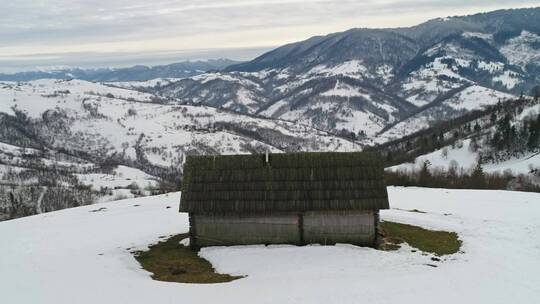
68 27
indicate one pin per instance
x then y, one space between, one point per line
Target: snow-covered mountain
97 140
363 82
135 73
116 122
86 141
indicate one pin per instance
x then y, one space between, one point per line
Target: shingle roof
287 183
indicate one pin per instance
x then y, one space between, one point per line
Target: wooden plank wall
331 227
216 230
328 227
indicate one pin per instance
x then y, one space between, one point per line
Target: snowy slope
90 128
38 96
523 49
142 85
107 121
466 152
44 180
470 98
121 177
81 256
466 159
476 97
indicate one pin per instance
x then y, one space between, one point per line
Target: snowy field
80 256
468 160
121 177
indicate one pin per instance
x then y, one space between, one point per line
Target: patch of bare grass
171 261
437 242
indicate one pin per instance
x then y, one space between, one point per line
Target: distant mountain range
381 83
135 73
97 135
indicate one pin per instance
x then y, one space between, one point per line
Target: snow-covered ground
121 177
147 84
120 183
466 159
80 256
520 50
469 99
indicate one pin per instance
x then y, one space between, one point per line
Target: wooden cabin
300 198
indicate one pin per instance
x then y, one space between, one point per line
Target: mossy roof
293 182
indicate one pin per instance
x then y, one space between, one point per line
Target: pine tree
535 93
504 134
389 157
478 179
425 176
477 127
534 134
473 145
496 141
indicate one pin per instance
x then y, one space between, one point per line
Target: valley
417 94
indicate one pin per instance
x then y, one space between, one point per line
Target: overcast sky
41 33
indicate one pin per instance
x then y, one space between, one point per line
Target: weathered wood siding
216 230
322 227
331 227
